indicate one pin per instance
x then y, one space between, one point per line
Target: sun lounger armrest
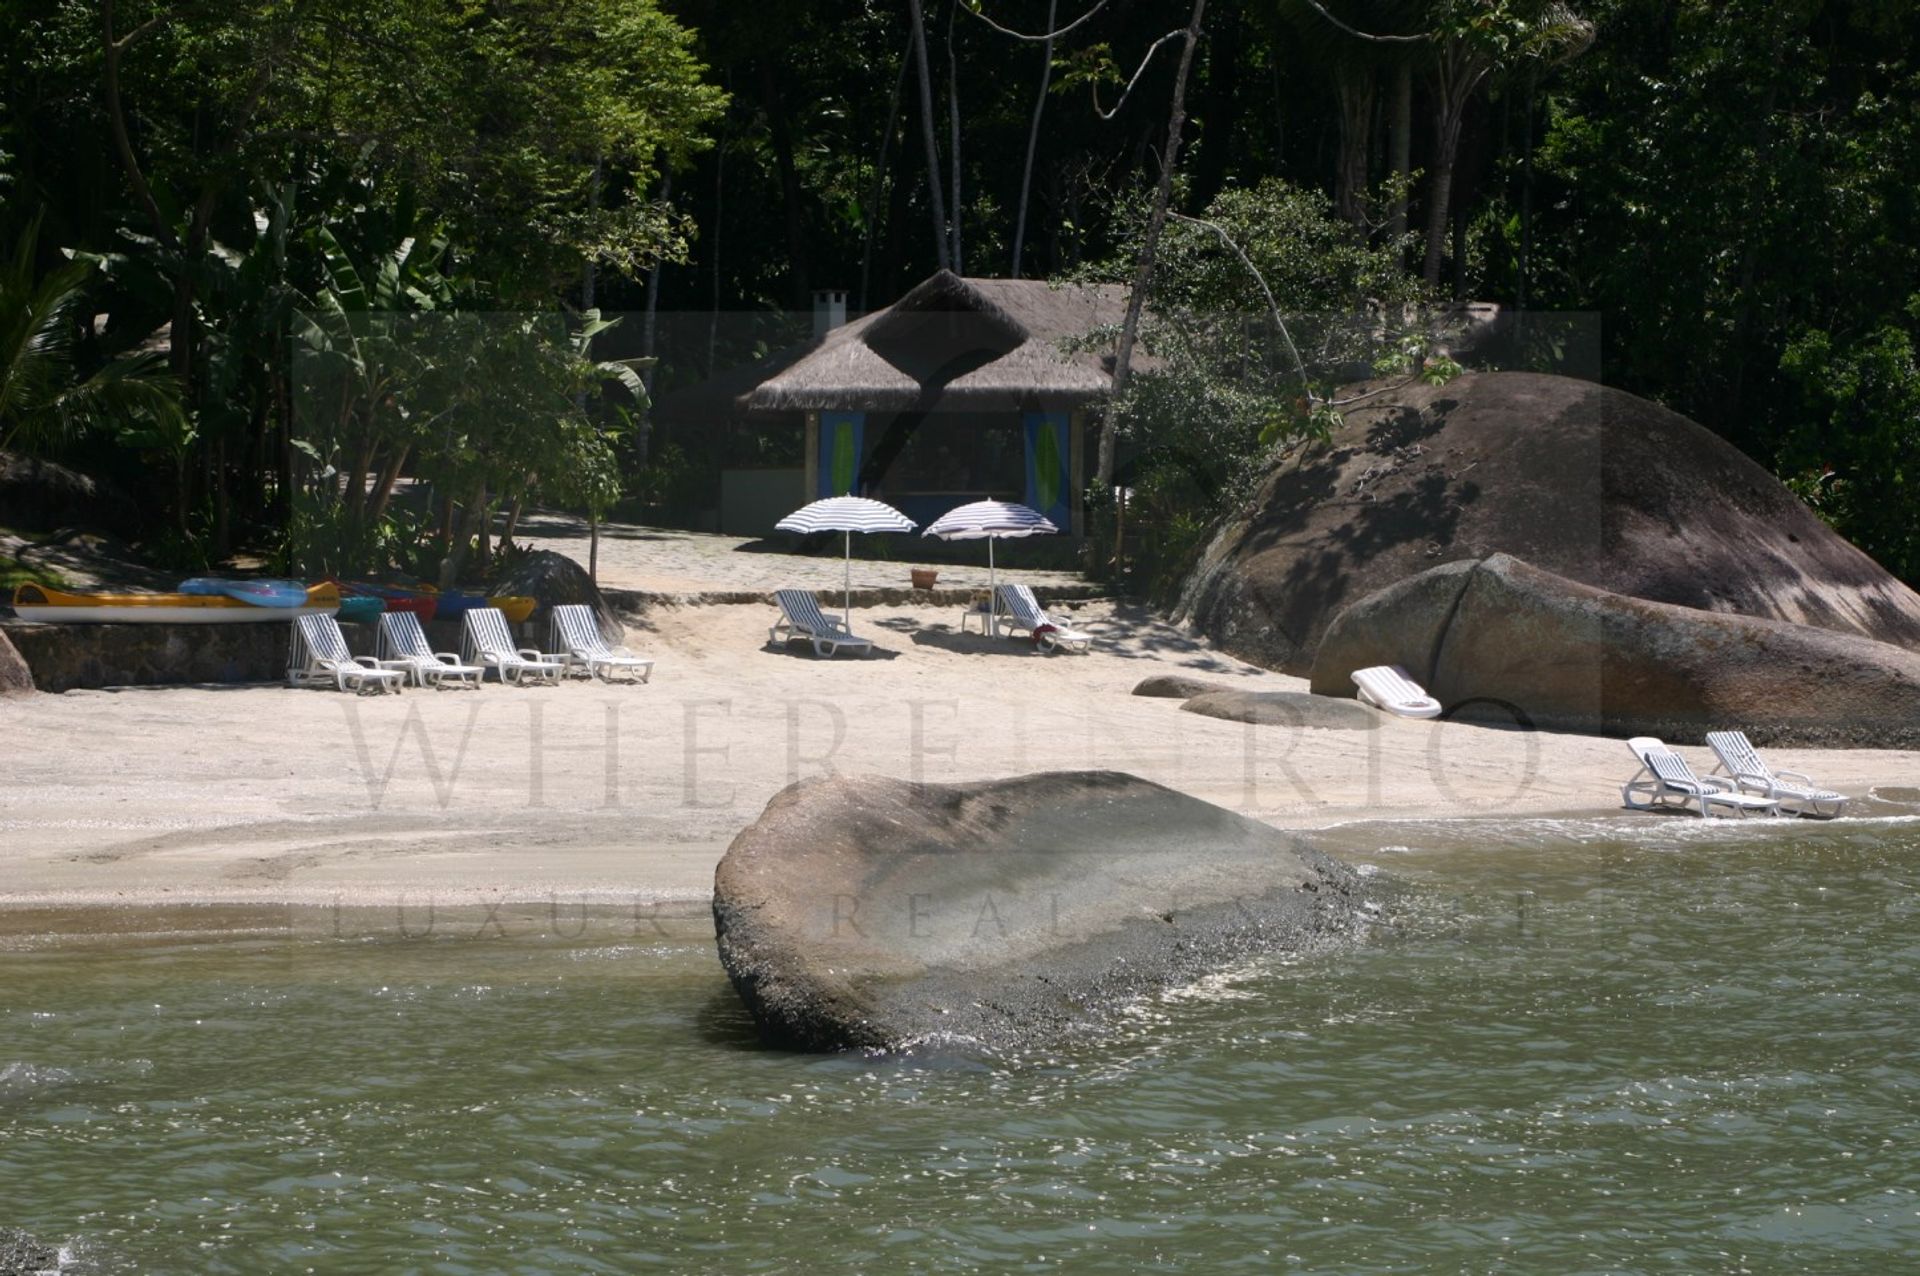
1801 776
366 662
447 657
534 653
1719 782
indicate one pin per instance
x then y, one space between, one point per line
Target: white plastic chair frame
487 641
1665 780
318 654
1794 790
1023 612
574 631
801 617
403 646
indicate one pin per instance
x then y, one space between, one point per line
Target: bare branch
1043 36
111 47
1273 307
135 34
1138 72
1321 9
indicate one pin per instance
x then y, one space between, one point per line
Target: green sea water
1697 1051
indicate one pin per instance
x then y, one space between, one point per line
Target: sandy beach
269 796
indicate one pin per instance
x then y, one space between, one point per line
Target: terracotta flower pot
923 577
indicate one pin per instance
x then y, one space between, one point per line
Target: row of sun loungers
320 656
1742 784
1013 611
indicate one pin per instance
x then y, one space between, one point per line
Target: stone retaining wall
73 657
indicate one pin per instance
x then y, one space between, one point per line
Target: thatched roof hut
963 388
959 345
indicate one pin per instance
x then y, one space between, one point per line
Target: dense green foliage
243 187
272 192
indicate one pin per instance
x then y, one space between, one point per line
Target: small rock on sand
1284 709
1177 686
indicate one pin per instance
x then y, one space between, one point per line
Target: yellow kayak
38 602
455 603
514 607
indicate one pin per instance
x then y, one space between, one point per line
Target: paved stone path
659 560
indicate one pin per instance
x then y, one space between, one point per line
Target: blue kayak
260 593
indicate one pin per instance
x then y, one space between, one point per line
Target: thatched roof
958 344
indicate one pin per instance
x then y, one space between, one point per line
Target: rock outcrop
15 678
1592 484
873 913
1504 642
1284 709
45 495
554 580
22 1255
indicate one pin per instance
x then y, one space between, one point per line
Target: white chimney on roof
829 310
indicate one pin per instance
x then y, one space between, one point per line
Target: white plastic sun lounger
1388 687
801 617
488 642
1022 612
1795 792
575 632
1665 779
403 646
318 655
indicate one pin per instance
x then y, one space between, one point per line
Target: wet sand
624 798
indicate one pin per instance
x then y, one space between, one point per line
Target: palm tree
43 397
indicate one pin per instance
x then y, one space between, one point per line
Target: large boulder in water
879 914
1591 484
1501 641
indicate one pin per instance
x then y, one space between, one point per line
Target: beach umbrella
847 514
990 521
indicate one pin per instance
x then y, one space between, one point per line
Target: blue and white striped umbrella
848 514
989 521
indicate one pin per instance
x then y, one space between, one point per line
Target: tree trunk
1156 222
1226 98
936 202
1354 92
471 531
1400 148
222 510
593 546
389 477
513 519
1033 143
1526 196
1460 251
872 213
1454 82
780 132
649 326
953 145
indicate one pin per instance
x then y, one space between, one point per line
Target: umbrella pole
993 590
846 601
